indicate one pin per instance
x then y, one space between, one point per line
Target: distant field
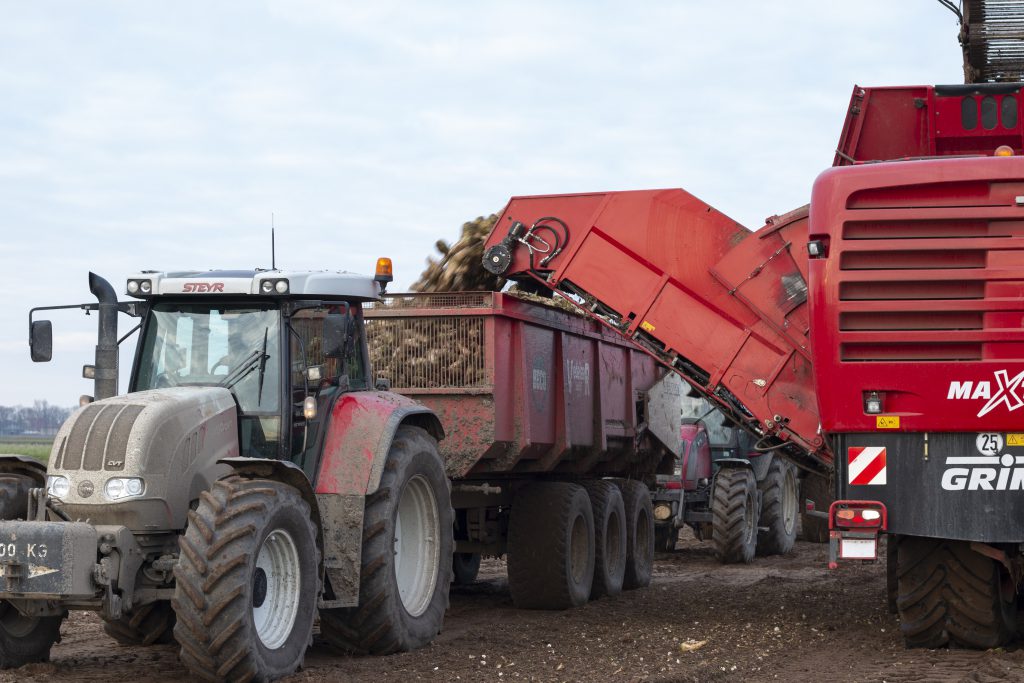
37 447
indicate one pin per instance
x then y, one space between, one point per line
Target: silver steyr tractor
252 477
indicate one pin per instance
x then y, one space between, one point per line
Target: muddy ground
779 619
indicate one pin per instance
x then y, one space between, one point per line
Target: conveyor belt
992 36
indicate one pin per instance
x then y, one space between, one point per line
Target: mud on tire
780 505
246 581
639 533
397 560
551 546
149 624
947 594
734 515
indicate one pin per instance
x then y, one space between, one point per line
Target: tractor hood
161 446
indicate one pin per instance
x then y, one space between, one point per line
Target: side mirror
40 341
335 333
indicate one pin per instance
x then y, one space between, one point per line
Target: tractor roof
290 283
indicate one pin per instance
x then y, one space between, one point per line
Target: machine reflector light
873 403
870 515
845 514
309 408
1004 151
267 286
281 286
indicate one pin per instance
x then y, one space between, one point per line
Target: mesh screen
428 352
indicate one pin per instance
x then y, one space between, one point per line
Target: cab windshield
235 347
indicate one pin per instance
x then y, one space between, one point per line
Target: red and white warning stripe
866 465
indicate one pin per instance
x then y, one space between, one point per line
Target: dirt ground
779 619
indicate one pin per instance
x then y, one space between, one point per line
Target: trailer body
523 388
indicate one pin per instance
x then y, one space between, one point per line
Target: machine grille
100 427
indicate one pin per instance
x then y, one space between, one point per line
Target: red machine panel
519 386
920 298
724 307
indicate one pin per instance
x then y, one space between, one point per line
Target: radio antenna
273 264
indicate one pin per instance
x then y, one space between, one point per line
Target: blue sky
163 135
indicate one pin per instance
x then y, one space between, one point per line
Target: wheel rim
417 547
14 623
789 501
277 587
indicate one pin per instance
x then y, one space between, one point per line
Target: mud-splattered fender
360 429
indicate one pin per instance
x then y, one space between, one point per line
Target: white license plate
858 548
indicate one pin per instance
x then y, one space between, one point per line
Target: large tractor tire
551 546
951 595
734 515
817 488
465 567
246 582
25 640
892 587
147 625
639 533
407 555
609 536
780 505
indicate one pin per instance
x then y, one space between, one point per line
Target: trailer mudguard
359 434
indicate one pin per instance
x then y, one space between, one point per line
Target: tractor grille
945 288
100 427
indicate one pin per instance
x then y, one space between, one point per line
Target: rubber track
730 526
949 595
537 546
373 626
211 627
146 625
775 540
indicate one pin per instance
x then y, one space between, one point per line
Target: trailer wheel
25 640
551 546
665 537
640 533
817 488
147 625
949 594
465 567
734 515
246 581
407 555
609 536
780 505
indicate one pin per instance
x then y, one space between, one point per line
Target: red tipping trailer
724 307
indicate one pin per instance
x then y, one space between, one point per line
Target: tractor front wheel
734 515
246 582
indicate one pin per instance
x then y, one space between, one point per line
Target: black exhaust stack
106 347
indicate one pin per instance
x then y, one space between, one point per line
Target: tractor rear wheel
639 533
149 624
780 505
816 488
246 581
551 546
734 515
949 594
609 537
25 640
406 558
465 567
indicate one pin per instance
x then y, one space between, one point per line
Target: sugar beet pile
437 351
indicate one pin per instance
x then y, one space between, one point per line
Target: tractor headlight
123 487
58 486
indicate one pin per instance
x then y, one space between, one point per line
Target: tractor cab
286 344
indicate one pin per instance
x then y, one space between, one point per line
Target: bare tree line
40 418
